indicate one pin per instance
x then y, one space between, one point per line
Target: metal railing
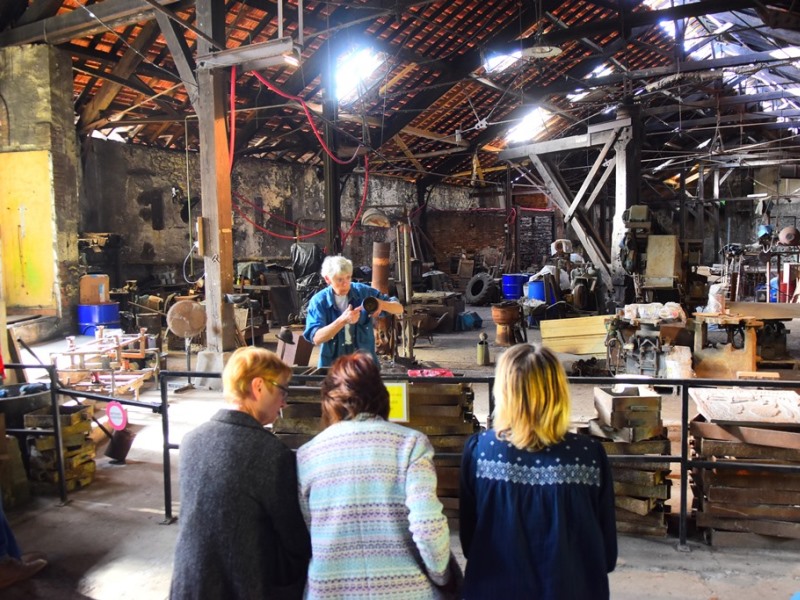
686 463
57 390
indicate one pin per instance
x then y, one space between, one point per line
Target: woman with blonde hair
537 503
242 534
368 494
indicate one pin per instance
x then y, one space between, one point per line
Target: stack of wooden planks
442 411
78 448
741 506
629 424
582 336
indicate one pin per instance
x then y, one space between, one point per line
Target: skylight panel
534 123
501 62
578 95
600 71
113 135
354 72
785 53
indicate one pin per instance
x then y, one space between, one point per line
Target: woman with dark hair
368 494
536 503
241 531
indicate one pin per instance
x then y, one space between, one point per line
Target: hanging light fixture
541 51
538 49
530 48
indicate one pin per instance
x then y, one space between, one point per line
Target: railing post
162 382
684 468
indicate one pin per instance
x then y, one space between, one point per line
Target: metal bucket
119 445
16 405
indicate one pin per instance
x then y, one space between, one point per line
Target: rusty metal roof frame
435 114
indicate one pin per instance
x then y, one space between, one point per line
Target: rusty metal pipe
380 266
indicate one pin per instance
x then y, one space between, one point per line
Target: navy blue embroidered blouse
537 524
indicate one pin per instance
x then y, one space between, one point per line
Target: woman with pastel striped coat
368 494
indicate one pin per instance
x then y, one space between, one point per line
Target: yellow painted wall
27 224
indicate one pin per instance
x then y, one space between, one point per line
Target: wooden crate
626 434
47 459
744 506
68 415
442 411
641 487
81 471
628 408
71 436
652 523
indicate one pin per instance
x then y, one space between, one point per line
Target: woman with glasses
368 494
242 534
536 503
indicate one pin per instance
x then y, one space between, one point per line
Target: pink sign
117 415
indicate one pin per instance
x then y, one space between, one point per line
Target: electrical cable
307 112
185 276
241 213
291 224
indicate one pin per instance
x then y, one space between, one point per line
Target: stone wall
129 192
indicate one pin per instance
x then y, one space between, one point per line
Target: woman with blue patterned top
537 503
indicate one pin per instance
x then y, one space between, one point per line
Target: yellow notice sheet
398 401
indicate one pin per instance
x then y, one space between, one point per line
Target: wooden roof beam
38 10
123 69
82 22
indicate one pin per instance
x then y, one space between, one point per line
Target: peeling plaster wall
37 115
267 199
127 184
129 192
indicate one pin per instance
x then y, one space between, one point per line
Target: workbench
724 362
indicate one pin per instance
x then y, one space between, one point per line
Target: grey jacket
241 531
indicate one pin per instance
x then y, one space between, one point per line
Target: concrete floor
110 542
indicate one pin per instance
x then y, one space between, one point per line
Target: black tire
480 290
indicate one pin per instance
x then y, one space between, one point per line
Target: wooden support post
215 185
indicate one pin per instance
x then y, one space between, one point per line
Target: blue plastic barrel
536 292
92 315
512 285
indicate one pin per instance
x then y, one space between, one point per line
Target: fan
186 319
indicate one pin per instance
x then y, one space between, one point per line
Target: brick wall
454 233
